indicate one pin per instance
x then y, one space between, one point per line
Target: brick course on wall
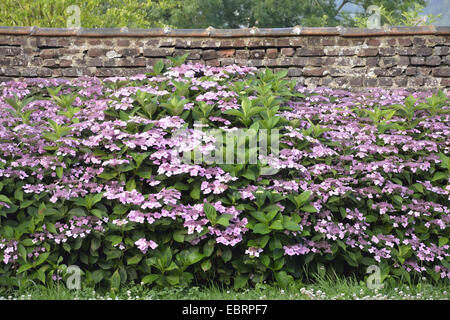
400 57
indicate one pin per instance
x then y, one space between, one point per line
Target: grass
321 289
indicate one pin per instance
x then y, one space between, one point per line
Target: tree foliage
93 13
202 13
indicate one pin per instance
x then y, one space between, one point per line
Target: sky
435 7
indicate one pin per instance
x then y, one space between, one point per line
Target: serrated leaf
24 268
276 225
195 193
4 198
240 282
265 260
290 225
443 241
224 220
210 212
97 213
134 260
115 240
309 208
59 172
261 228
97 276
179 235
206 265
283 279
439 176
115 280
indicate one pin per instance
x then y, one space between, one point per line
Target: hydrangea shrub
90 175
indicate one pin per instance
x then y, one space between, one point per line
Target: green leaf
41 259
250 175
278 264
418 187
97 276
108 176
260 216
195 256
95 244
210 212
98 213
26 204
234 112
18 195
173 279
51 227
40 275
397 199
22 251
240 282
5 199
265 260
443 241
276 225
301 199
59 172
308 208
179 235
206 265
226 255
158 67
261 228
181 186
115 280
445 161
195 192
24 268
439 176
134 260
283 278
120 209
115 240
150 278
224 220
290 225
131 185
208 248
27 242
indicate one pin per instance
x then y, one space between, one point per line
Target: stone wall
406 57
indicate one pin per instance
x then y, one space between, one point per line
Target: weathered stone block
442 51
411 71
158 52
257 54
242 54
209 55
272 53
417 61
316 72
97 52
433 61
49 53
368 52
226 53
441 72
288 52
307 52
129 52
424 51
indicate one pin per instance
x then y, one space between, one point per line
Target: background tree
202 13
94 13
